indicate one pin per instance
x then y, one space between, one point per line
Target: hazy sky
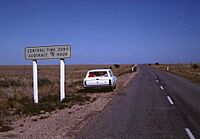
102 31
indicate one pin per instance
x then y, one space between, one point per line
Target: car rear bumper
97 86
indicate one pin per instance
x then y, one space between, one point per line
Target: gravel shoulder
67 122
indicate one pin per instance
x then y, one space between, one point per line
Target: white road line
170 100
157 81
161 87
189 133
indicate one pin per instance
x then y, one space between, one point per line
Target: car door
113 78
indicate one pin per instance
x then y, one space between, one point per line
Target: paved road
154 105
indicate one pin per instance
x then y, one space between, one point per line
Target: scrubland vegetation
189 71
17 93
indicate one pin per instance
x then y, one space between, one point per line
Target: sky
102 31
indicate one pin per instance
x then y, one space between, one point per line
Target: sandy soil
63 123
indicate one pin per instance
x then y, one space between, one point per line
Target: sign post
62 79
48 52
35 82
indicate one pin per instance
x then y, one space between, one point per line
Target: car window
111 74
98 74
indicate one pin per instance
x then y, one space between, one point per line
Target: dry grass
184 70
17 94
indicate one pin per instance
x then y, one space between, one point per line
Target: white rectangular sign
48 52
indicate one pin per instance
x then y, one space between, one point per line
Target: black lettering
51 49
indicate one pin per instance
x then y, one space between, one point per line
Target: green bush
117 66
48 103
4 83
9 83
134 69
194 66
35 109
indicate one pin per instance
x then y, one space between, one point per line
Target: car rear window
98 74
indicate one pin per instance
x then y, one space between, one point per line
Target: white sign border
47 46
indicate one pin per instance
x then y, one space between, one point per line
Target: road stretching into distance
154 104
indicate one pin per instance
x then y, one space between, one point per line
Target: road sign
48 52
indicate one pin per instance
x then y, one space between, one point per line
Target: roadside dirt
63 123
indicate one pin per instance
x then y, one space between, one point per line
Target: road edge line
191 136
162 87
131 77
170 100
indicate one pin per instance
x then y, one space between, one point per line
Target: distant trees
117 66
194 66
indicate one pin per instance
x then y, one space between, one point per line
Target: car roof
95 70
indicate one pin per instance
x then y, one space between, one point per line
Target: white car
100 78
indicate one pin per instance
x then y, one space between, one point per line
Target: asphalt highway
154 104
